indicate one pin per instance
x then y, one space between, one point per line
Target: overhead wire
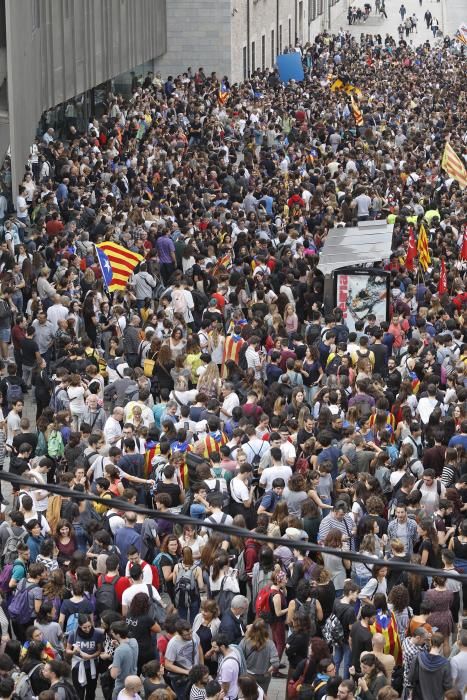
182 519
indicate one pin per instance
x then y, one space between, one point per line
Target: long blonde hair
209 381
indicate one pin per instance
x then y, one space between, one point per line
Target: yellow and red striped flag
117 264
422 248
453 166
356 112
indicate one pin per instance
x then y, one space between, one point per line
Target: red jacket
252 548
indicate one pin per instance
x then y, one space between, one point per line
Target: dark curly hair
139 605
399 598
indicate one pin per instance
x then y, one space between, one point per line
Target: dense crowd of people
222 385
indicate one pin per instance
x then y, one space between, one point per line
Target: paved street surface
449 13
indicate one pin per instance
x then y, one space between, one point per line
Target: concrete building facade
234 37
52 50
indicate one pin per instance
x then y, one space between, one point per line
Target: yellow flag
453 166
422 248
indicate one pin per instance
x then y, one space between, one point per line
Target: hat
293 533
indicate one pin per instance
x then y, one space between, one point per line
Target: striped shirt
346 526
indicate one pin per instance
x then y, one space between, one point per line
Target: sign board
359 292
290 67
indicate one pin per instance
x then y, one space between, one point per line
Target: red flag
443 280
411 251
463 255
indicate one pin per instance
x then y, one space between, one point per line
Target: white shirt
147 573
239 491
112 430
363 202
255 448
271 473
229 403
253 361
13 424
21 207
426 406
56 313
39 504
135 588
288 451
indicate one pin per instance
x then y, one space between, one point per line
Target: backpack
224 494
179 301
5 578
10 551
58 404
263 607
257 456
333 632
106 522
241 570
68 690
23 689
148 545
14 393
156 609
106 597
309 609
333 365
19 609
223 598
55 446
239 657
87 460
158 564
71 624
397 679
186 587
242 361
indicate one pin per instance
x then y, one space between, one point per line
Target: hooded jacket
430 676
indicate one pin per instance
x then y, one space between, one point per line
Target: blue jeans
184 612
342 654
361 581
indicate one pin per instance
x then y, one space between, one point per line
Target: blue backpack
19 609
71 624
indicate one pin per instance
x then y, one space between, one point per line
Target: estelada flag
117 263
443 278
411 251
385 624
223 94
232 346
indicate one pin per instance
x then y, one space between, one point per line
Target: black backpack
105 523
242 361
224 494
106 597
68 690
334 365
